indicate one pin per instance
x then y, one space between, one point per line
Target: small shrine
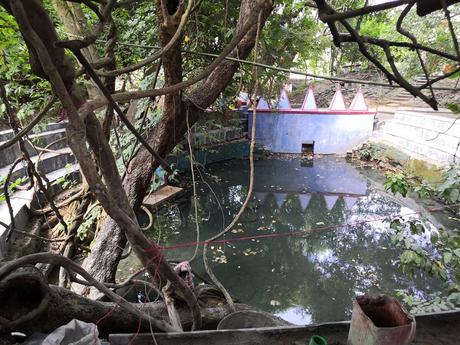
334 130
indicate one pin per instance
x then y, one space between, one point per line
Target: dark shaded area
384 311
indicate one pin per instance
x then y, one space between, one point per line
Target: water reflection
304 279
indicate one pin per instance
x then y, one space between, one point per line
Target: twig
69 264
7 195
118 110
144 118
126 96
158 54
30 166
406 33
60 239
195 206
45 210
31 125
214 279
451 29
364 10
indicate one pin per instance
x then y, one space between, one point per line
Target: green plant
397 183
436 252
434 304
65 181
369 153
12 186
450 188
85 228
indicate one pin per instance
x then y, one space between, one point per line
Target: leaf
454 195
447 257
457 252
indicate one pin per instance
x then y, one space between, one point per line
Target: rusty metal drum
380 320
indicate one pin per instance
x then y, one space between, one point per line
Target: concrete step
416 148
8 134
427 137
430 120
23 200
216 136
49 161
440 112
42 139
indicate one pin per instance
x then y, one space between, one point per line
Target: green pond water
305 278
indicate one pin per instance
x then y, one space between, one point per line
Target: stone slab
162 195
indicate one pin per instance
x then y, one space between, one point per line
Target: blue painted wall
332 133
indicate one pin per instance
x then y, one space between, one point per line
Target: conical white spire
262 104
309 102
337 101
283 103
359 103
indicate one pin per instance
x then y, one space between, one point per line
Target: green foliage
65 181
435 252
448 190
12 186
370 153
454 107
85 229
397 183
436 302
25 92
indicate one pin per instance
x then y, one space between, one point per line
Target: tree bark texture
28 304
48 60
170 130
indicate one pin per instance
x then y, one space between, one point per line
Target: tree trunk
28 304
74 22
169 131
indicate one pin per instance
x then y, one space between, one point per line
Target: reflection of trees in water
320 272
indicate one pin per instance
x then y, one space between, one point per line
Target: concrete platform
432 329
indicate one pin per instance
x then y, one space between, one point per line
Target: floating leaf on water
320 223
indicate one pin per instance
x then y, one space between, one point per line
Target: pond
329 236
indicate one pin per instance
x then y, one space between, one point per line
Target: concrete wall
332 133
423 135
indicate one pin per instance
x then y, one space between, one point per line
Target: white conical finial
337 101
262 104
359 103
309 102
283 103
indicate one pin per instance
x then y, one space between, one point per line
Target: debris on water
275 303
